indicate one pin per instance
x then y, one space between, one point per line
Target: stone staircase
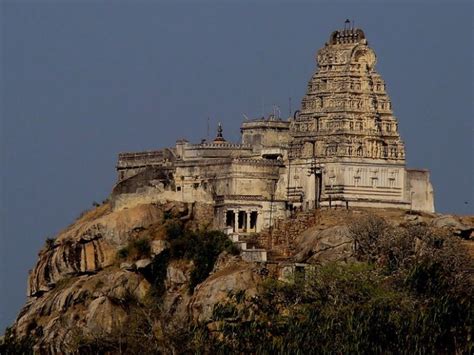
250 250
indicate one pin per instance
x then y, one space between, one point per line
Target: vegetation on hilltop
410 290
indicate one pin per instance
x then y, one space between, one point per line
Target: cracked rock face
79 288
88 245
92 303
454 224
230 275
321 246
75 285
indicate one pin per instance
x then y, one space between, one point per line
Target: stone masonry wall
280 240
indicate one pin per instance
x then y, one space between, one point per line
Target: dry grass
469 245
157 231
87 216
94 213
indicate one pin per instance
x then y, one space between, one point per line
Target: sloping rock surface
317 246
230 275
94 303
88 245
80 288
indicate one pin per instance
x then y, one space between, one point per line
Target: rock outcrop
88 245
230 275
317 246
81 305
455 224
82 289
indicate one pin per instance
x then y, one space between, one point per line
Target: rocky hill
152 277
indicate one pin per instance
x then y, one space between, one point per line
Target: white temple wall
299 184
372 185
356 175
419 190
361 182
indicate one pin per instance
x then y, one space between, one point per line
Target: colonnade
241 220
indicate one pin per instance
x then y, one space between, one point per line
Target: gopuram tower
345 148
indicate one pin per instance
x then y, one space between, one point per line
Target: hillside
152 278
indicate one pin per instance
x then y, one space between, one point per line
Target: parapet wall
215 150
147 158
126 160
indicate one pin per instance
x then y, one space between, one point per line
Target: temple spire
347 24
346 106
219 138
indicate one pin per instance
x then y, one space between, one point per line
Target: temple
340 149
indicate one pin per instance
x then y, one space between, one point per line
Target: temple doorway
230 219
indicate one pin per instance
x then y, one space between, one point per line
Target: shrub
157 275
174 229
142 246
202 247
11 345
410 292
49 242
367 232
167 215
206 248
123 253
135 249
340 309
82 214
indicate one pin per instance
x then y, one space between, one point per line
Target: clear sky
84 80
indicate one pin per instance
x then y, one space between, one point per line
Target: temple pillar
247 220
236 221
258 222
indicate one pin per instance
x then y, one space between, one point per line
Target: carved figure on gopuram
346 79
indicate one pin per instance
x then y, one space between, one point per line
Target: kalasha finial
219 138
347 24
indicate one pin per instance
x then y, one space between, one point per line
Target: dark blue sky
84 80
